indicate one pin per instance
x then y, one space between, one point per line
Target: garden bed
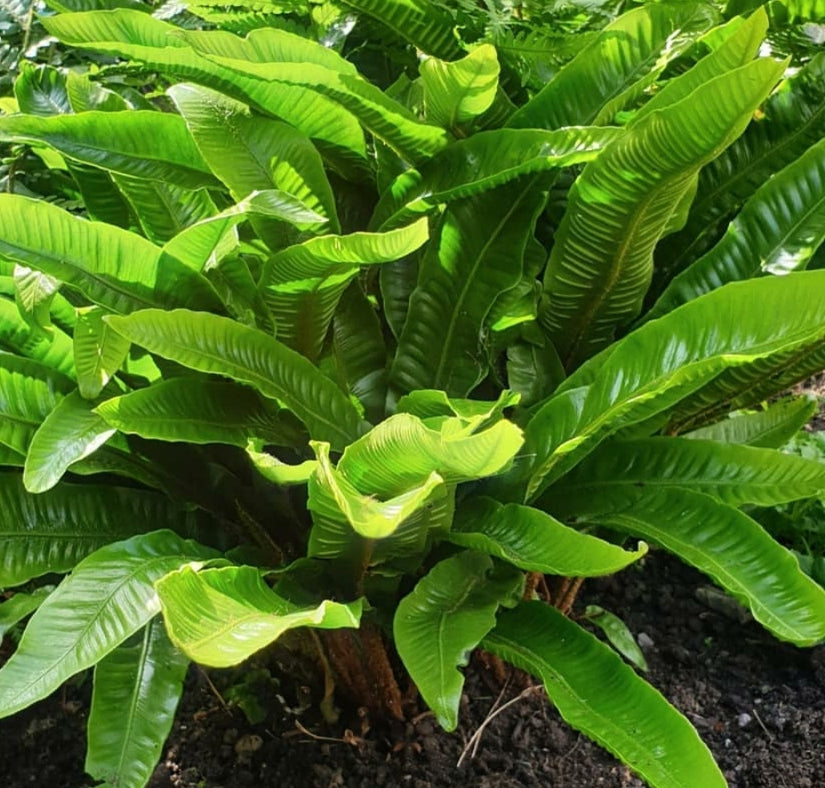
759 704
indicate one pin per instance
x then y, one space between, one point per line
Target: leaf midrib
542 667
220 363
143 567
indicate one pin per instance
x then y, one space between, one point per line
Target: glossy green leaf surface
51 532
790 121
98 351
473 413
153 145
664 361
139 36
536 542
477 253
112 267
770 428
459 91
163 210
251 153
301 285
71 432
29 391
597 693
220 617
331 494
219 345
204 244
388 120
613 69
194 410
617 633
361 350
421 22
738 49
736 552
602 260
485 160
33 294
53 350
108 597
41 90
621 470
278 472
443 619
136 692
403 451
777 231
14 610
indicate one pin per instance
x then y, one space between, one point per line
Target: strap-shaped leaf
331 495
203 245
112 267
618 634
98 351
210 343
602 259
252 153
477 254
142 38
736 552
458 92
770 428
794 119
302 284
29 391
361 350
264 57
777 231
536 542
443 619
739 48
401 452
534 370
163 209
136 692
620 471
597 693
195 410
220 617
143 144
616 67
50 533
483 161
104 202
14 610
664 361
426 25
53 350
71 432
108 597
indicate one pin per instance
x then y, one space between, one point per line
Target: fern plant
362 368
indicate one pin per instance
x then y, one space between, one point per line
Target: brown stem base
363 670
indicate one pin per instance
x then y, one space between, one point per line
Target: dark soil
759 704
